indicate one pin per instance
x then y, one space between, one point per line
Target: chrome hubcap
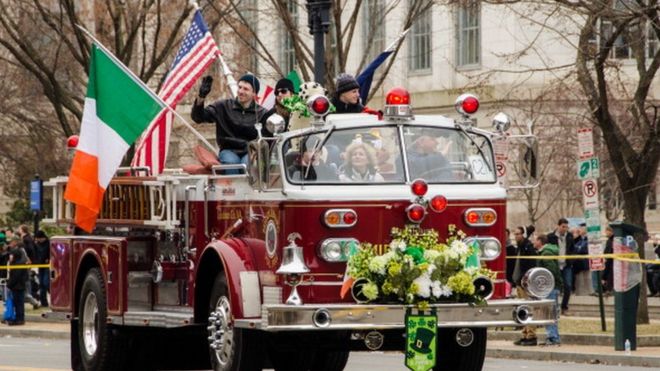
221 331
90 323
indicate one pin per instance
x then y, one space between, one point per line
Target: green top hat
423 339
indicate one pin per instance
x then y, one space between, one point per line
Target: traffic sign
590 194
592 219
585 143
36 195
501 148
501 169
588 169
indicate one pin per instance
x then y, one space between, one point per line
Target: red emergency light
416 213
419 187
467 104
72 142
397 96
438 204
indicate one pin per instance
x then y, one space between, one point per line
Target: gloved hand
205 88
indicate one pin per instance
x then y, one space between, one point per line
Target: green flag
295 79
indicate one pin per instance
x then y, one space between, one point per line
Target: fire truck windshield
376 155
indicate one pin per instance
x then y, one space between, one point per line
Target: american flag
195 55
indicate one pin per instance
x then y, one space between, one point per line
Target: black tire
330 361
100 346
453 357
240 348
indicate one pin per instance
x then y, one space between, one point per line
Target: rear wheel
99 344
230 348
461 349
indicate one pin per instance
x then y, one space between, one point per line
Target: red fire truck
243 271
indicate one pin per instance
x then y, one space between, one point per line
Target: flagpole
393 45
233 85
148 90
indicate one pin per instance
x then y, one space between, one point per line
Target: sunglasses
281 91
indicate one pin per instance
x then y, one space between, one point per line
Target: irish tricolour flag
118 108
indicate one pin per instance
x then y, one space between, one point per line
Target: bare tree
346 16
44 58
618 99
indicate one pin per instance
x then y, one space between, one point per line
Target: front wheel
99 344
231 349
460 349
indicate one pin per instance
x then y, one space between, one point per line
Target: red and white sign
501 169
596 264
501 149
590 194
585 143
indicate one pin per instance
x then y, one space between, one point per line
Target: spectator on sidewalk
17 280
28 247
607 278
653 274
42 256
510 263
564 240
524 248
581 274
543 248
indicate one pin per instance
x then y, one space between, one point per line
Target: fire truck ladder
128 201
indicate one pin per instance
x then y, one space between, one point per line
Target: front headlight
337 249
489 247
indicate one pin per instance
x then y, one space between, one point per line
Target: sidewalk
578 348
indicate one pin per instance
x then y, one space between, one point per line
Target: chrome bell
293 261
293 266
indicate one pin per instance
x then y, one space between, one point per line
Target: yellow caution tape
25 266
627 257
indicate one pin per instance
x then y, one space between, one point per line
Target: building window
468 46
373 28
420 43
631 37
288 51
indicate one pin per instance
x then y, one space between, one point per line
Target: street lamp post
318 18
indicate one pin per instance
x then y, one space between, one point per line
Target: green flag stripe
121 103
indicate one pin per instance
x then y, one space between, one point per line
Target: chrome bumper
389 316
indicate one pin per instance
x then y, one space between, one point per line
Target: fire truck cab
243 270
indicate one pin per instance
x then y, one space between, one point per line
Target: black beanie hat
250 79
284 84
345 82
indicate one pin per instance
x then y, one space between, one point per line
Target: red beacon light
397 104
397 96
319 105
72 142
438 204
467 104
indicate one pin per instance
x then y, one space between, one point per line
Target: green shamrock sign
421 334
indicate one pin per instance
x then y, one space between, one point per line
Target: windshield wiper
317 147
481 152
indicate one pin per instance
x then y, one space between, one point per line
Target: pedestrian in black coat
607 278
17 280
564 239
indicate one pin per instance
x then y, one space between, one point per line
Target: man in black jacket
524 247
234 119
562 238
29 248
17 280
42 256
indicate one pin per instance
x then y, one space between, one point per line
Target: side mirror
258 164
525 156
501 122
275 124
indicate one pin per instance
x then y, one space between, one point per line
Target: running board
154 319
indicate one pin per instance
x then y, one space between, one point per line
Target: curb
579 339
621 360
33 333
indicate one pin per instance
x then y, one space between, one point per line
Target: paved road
30 354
